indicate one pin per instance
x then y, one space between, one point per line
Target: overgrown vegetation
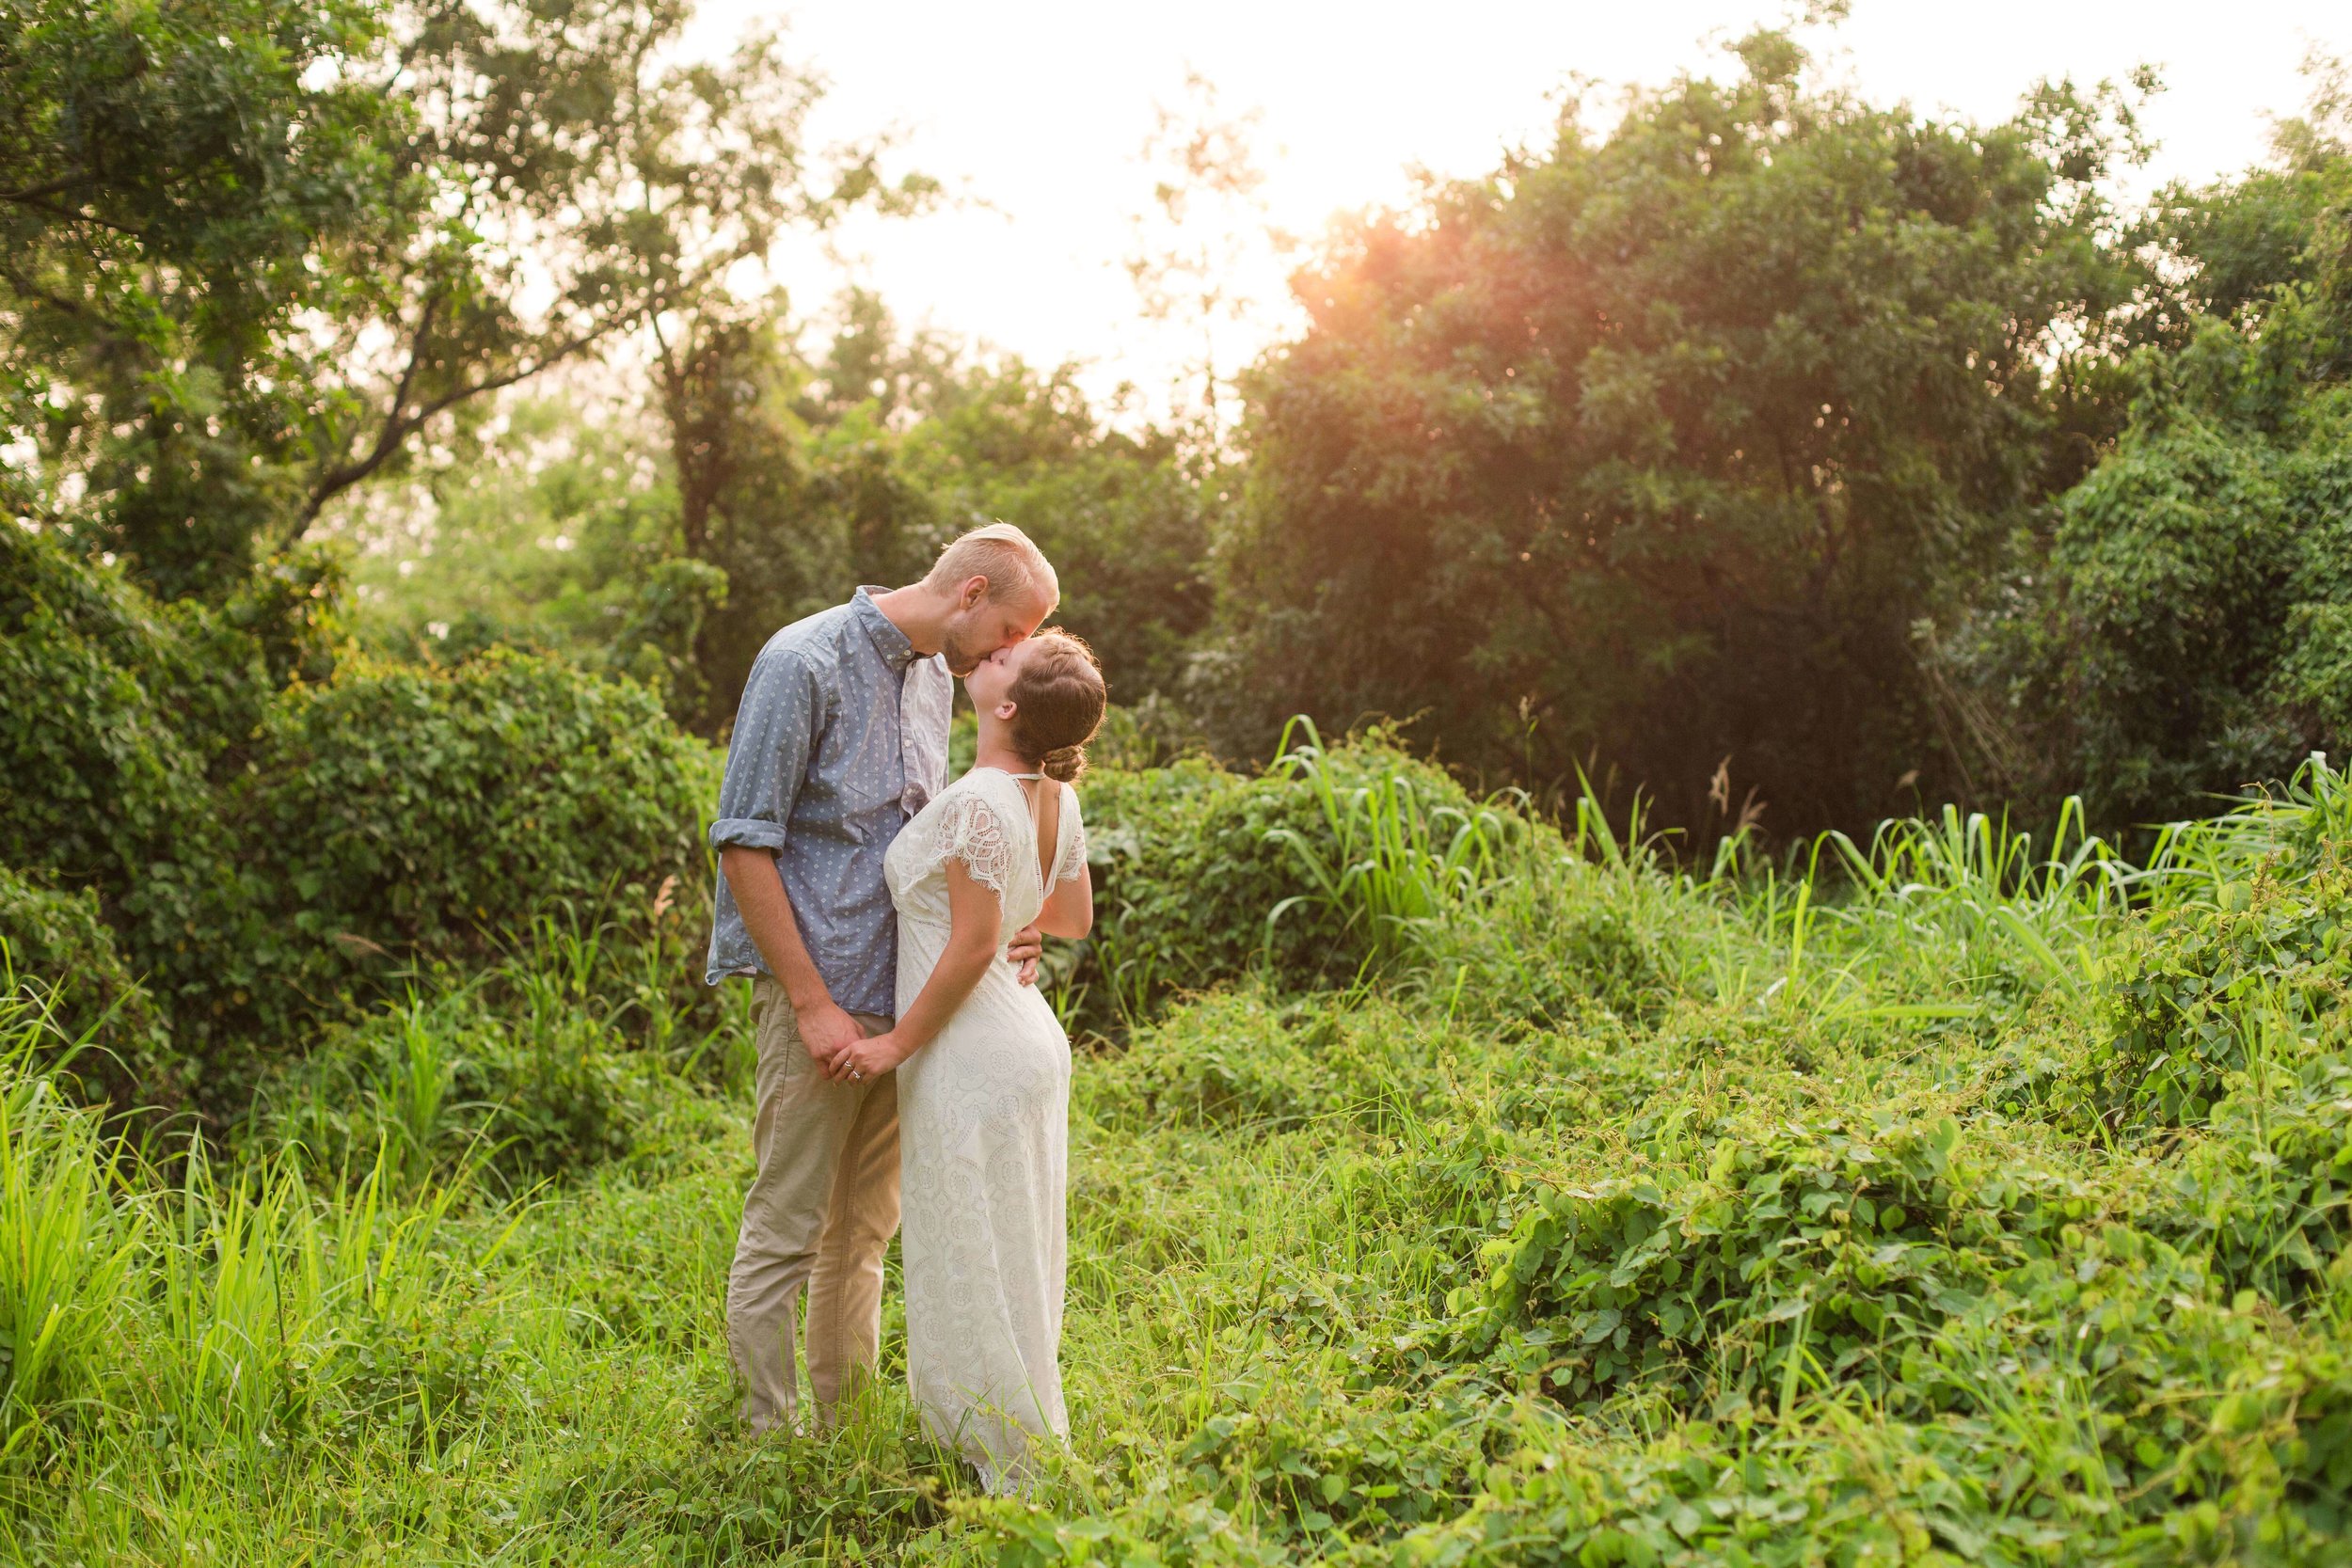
1728 1161
1954 1197
274 831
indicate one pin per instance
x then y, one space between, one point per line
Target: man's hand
1026 948
871 1058
827 1031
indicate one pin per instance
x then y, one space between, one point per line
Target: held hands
844 1053
827 1030
869 1057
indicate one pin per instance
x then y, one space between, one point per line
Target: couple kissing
890 922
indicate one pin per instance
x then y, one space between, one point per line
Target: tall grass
1293 1216
67 1242
1390 860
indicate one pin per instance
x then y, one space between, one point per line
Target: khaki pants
819 1214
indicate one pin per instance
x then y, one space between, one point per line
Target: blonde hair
1002 554
1059 698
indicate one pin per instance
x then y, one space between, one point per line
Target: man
840 739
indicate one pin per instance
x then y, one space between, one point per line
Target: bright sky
1035 112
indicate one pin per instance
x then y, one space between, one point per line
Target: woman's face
990 680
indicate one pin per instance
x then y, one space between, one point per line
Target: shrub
273 832
1852 1236
2267 1195
1185 874
58 954
2183 629
2177 1021
1341 864
407 816
518 1071
109 770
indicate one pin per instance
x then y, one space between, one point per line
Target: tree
2181 625
170 178
801 480
256 254
572 157
1651 451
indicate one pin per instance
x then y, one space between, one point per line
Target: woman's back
985 820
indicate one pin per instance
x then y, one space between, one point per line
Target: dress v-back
983 1138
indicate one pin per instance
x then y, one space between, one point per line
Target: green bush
270 855
2195 998
2267 1196
1359 862
507 1075
137 702
1185 874
1250 1058
401 817
2184 630
1851 1237
60 956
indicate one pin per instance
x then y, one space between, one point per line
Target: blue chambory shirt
840 739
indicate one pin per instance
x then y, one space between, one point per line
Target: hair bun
1066 765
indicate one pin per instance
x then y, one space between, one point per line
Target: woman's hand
869 1057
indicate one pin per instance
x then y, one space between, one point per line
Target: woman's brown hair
1058 697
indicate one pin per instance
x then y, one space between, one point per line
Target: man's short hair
1001 553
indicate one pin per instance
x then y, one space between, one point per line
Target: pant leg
801 1129
846 1285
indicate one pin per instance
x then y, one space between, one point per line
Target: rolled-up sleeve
775 732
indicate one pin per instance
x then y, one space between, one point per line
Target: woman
983 1064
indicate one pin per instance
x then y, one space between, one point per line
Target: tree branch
397 429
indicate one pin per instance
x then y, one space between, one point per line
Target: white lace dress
983 1140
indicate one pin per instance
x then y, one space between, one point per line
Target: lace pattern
1072 860
970 829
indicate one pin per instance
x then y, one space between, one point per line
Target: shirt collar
887 639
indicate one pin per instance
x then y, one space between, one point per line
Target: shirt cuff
751 832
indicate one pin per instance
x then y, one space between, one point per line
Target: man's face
984 626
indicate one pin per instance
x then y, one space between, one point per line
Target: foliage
2176 628
1124 518
66 1247
773 482
58 956
1694 419
142 700
556 539
2183 633
410 815
1766 1269
2199 1002
186 183
267 856
799 480
1197 877
399 206
1185 876
528 1070
1340 863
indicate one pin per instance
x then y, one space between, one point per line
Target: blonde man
840 739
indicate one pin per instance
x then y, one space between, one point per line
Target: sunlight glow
1035 112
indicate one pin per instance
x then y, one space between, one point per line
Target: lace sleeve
1074 851
970 830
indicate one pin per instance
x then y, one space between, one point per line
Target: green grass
1959 1195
